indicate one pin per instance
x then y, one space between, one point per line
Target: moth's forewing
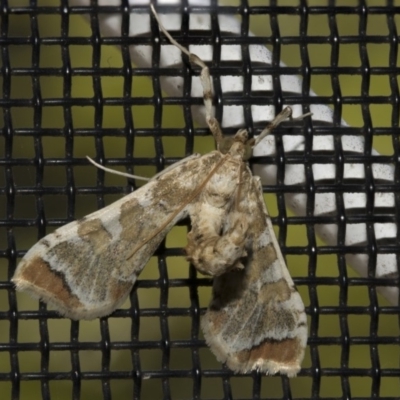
256 319
87 268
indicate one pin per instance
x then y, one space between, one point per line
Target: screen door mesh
69 89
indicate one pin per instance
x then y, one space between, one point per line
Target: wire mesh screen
81 78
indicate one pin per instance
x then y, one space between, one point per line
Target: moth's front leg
212 252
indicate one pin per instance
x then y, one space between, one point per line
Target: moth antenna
285 114
113 171
205 80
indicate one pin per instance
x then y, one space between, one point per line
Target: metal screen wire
70 90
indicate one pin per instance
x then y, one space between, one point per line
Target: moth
256 319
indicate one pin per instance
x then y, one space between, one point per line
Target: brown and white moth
256 318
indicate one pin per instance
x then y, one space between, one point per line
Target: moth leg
205 80
216 254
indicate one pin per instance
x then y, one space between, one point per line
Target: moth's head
239 144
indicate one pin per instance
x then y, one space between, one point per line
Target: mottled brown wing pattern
256 318
87 268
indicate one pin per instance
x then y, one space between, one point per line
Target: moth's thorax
221 187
